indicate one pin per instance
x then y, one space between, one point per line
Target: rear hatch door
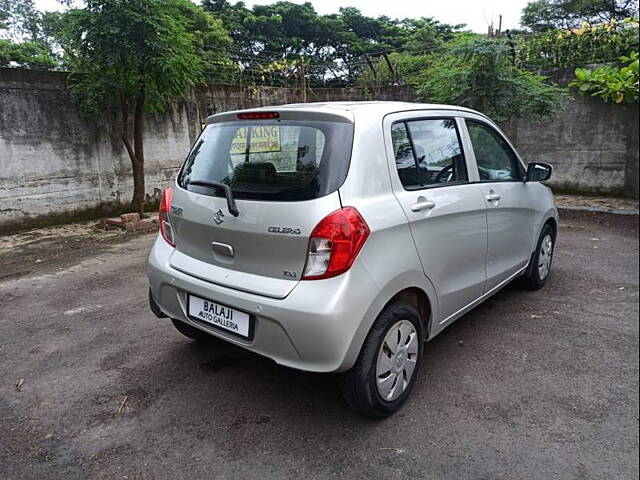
283 172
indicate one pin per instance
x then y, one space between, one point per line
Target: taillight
166 230
335 243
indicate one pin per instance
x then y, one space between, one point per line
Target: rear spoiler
321 114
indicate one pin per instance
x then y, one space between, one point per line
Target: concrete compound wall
55 162
592 145
214 99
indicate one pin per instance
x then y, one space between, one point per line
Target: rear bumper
317 327
155 308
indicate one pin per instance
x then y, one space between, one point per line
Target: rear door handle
493 197
422 204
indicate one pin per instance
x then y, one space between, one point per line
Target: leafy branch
618 84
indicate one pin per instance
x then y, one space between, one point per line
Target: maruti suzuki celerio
339 237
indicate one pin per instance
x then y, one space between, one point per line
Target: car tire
539 268
192 332
365 386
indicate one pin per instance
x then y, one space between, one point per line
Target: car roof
377 106
348 109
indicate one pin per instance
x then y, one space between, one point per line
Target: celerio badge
284 230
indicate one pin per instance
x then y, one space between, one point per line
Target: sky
476 14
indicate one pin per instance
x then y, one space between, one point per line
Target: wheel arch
548 217
413 287
553 223
418 298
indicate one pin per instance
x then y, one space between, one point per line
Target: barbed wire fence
269 68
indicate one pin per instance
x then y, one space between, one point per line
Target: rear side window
428 153
278 160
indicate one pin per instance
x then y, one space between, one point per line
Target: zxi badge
218 217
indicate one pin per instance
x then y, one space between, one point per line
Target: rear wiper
231 202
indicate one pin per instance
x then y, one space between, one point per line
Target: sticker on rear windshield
263 139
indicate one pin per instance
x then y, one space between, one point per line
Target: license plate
220 316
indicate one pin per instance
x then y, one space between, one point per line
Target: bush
571 48
478 72
619 84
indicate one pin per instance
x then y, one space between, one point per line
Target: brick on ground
132 222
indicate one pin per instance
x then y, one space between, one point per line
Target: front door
446 213
510 212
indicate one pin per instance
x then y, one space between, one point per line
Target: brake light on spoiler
258 115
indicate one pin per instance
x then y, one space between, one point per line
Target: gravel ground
537 385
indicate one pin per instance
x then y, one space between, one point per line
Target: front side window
495 158
270 160
428 153
438 151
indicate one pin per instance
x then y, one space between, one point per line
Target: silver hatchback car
339 237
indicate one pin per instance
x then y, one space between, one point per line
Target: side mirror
538 172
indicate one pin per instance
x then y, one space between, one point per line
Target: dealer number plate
219 316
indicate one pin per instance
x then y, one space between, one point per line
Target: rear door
446 213
509 201
283 172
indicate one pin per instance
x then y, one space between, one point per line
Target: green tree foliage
23 41
18 19
618 84
477 72
542 15
26 55
334 48
138 55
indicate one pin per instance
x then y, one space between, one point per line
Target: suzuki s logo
218 217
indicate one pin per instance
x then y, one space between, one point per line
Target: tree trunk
138 165
136 152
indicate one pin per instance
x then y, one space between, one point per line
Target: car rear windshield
278 160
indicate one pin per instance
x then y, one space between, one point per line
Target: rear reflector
258 115
166 230
335 243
